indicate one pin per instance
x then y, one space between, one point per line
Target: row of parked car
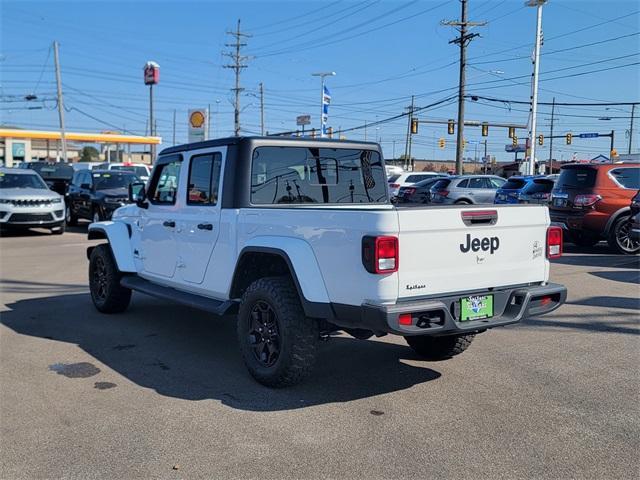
54 195
591 202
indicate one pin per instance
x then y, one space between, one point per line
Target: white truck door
157 224
199 224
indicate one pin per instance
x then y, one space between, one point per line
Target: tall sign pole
151 78
63 139
534 97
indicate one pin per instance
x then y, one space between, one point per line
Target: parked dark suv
591 203
95 194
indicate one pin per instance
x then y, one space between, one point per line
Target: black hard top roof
275 140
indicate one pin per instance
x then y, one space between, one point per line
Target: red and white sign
151 73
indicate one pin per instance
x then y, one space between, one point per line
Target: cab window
164 186
204 179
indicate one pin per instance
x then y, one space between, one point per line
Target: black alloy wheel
264 334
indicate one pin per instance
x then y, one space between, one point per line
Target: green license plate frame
476 307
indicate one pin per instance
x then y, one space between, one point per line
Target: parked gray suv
469 189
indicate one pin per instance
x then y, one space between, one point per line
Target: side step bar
141 285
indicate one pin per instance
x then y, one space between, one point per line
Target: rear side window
204 179
577 178
627 177
463 183
294 175
393 178
415 178
514 184
477 183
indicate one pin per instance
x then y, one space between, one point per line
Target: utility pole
237 67
534 97
407 145
553 111
633 111
463 40
208 121
486 160
261 109
174 126
63 139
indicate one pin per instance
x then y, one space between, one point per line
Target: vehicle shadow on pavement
188 354
609 301
623 323
608 260
624 276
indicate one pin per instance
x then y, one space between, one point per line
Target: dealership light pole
322 115
534 97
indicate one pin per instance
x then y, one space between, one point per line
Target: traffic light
485 129
330 132
613 153
540 139
512 132
313 133
414 125
451 126
569 138
441 143
514 140
464 144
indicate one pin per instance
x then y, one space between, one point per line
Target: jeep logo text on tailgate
487 243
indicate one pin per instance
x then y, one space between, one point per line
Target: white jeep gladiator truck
299 238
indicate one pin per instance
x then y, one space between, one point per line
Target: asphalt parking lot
161 392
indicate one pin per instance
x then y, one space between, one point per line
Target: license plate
559 202
476 307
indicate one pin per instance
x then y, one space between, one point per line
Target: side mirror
138 194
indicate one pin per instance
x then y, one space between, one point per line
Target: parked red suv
591 202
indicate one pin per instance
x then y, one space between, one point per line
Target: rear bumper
440 316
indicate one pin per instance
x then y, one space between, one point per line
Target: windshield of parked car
577 177
140 171
106 181
440 185
52 170
541 185
285 175
14 180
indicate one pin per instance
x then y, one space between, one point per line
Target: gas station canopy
80 137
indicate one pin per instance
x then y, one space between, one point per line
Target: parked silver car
26 201
469 189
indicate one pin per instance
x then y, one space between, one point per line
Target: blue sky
383 52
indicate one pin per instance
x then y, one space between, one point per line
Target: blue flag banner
326 100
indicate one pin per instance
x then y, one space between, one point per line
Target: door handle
169 224
205 226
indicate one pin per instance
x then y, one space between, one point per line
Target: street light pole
322 117
534 97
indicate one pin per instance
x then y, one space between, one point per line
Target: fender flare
304 268
614 218
118 235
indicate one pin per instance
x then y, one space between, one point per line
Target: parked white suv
27 202
298 237
407 178
140 169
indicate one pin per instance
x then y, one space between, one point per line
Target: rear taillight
442 193
380 254
586 200
554 242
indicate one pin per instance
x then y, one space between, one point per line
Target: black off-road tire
296 336
107 294
462 202
439 348
619 238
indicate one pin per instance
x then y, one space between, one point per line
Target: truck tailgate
492 246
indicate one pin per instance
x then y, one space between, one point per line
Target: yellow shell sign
196 119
